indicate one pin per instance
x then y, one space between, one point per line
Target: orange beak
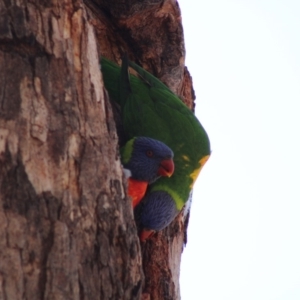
145 234
166 168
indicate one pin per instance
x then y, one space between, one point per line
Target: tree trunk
67 229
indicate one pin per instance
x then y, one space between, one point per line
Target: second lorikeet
149 108
146 159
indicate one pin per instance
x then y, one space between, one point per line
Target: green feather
126 151
149 108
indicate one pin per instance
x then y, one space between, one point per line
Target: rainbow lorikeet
149 108
146 160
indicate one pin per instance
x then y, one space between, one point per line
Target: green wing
150 109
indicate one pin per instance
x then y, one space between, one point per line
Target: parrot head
147 159
156 211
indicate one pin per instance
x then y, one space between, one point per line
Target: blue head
156 211
147 159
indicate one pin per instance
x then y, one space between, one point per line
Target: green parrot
150 109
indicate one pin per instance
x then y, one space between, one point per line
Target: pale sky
244 232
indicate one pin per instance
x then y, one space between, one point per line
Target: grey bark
67 230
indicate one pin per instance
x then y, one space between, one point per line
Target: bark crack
46 250
27 46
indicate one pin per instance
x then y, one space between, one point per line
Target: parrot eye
149 153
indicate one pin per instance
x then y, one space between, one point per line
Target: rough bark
66 226
66 230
